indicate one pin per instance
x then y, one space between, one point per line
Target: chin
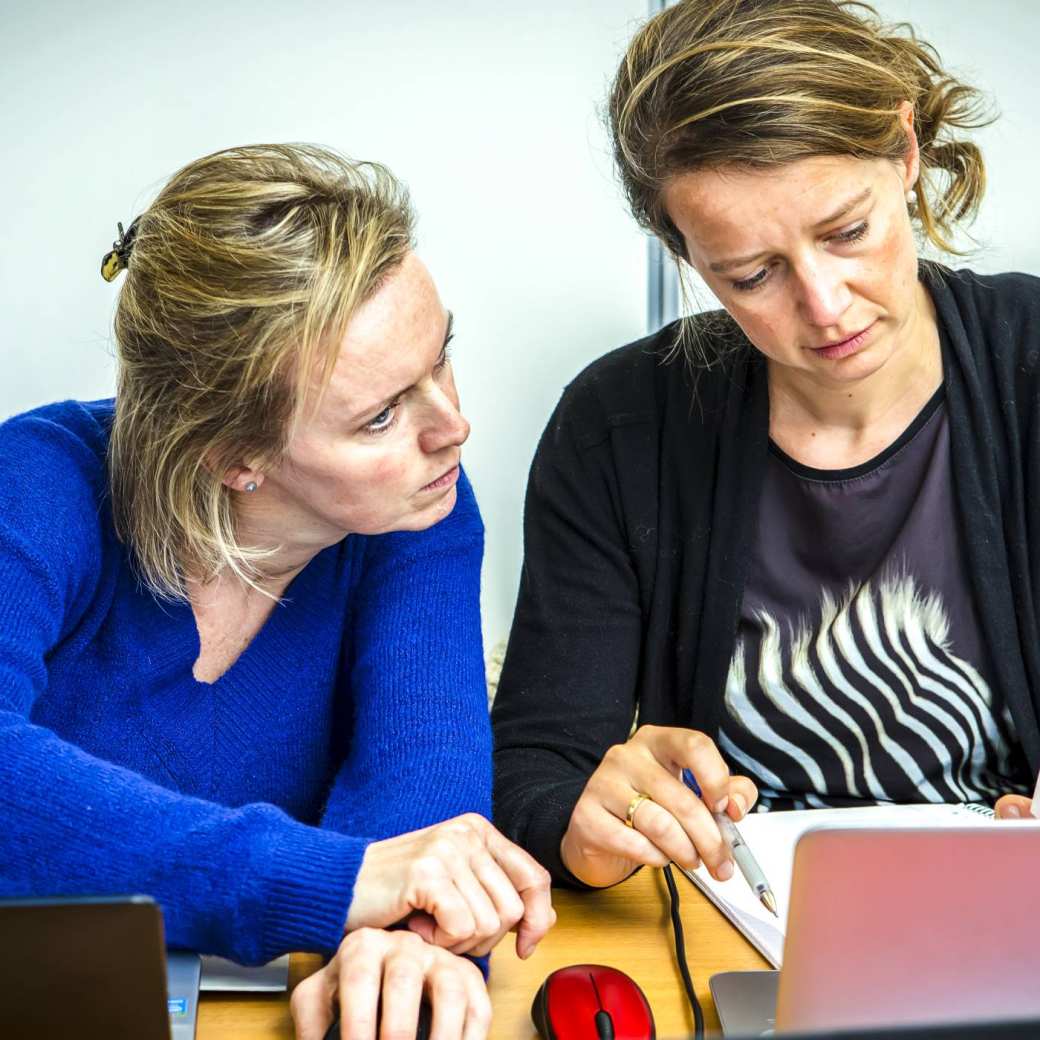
433 513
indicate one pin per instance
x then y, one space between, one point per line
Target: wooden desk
626 927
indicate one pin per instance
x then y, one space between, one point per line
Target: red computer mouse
591 1002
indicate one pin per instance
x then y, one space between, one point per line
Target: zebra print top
859 675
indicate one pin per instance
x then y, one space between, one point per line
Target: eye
384 420
748 284
853 234
445 355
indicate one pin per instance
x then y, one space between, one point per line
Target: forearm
248 883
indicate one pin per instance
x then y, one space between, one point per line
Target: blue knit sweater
243 807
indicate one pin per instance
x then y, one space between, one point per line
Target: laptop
91 967
900 927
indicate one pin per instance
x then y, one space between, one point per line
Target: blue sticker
177 1005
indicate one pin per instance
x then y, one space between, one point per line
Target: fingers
478 885
434 890
607 834
1013 807
508 906
375 970
312 1003
360 981
743 795
678 749
478 1011
404 977
675 824
533 916
679 823
450 999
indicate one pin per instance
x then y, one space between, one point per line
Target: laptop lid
904 926
84 967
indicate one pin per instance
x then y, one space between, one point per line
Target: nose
824 296
446 426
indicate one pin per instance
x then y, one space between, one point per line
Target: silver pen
746 862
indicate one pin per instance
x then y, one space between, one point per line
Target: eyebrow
843 210
387 401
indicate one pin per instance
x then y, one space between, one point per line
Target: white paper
772 837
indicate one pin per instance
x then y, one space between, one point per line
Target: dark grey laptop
93 967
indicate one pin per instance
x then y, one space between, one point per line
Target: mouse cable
680 956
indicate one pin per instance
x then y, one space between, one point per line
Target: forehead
720 210
389 342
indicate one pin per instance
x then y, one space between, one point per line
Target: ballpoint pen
742 856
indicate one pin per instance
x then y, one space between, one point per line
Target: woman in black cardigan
791 538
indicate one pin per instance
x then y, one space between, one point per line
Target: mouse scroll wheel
604 1025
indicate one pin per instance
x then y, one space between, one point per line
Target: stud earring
251 486
911 198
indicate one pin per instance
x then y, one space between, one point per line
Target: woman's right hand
672 824
384 975
462 884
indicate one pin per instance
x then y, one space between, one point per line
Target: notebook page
772 838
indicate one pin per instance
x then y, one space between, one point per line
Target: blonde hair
710 83
243 275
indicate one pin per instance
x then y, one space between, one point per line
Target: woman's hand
674 825
1013 807
465 884
401 967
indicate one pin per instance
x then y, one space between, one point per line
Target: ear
242 478
911 162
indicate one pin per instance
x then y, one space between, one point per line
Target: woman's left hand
1013 807
379 977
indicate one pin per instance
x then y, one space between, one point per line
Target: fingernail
720 805
1012 812
741 804
725 871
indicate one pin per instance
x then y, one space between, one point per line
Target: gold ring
633 805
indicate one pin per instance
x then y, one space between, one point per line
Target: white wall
487 109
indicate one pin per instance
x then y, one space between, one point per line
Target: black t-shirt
859 673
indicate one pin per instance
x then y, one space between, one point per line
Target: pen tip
769 903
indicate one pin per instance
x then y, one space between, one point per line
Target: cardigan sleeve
247 882
419 734
568 685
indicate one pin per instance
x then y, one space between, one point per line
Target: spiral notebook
772 838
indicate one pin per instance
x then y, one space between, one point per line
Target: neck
290 540
905 381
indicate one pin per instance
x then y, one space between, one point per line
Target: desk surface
626 927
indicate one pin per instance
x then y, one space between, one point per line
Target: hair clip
118 257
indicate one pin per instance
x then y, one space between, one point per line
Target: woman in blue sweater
240 649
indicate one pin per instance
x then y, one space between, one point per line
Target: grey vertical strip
662 278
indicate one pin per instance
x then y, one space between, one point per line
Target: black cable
680 956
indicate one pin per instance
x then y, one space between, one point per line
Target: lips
843 348
446 479
843 340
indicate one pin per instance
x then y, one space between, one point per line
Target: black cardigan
640 505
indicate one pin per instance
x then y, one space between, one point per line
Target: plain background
491 112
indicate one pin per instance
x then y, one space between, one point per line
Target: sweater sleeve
419 733
568 685
250 882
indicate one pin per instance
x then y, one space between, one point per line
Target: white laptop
900 926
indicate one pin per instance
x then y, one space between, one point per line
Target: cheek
895 261
767 329
387 470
